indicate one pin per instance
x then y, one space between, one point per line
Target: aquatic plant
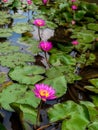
44 92
45 46
56 77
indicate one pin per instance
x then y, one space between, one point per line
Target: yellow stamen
39 22
44 93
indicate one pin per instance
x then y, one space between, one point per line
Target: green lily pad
15 59
3 77
22 27
29 99
29 114
95 100
93 126
58 83
67 71
61 58
4 18
27 74
94 82
19 94
76 122
11 94
73 115
6 48
92 111
91 88
93 26
5 32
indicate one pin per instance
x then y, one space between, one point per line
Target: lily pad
3 77
29 114
73 115
92 88
94 82
22 27
93 126
67 71
16 93
58 83
61 58
15 59
11 94
5 32
93 26
27 74
6 48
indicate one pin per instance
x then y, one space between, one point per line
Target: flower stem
46 58
39 33
38 114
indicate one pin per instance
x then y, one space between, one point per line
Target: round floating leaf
11 94
29 99
92 111
76 122
93 126
67 111
95 100
92 88
15 59
6 48
58 83
61 58
29 114
27 74
22 27
67 71
5 32
79 15
3 77
93 26
94 82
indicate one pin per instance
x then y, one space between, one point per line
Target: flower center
39 22
44 93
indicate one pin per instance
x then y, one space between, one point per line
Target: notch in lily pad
27 74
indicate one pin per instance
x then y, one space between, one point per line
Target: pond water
75 92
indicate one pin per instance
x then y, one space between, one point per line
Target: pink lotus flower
45 2
29 2
45 45
39 22
73 0
74 7
44 92
5 1
75 42
73 22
